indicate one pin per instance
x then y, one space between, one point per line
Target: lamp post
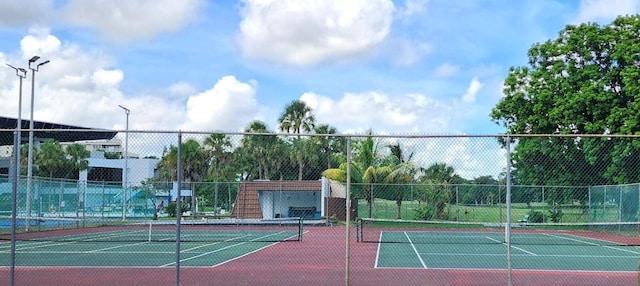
30 151
17 140
125 176
21 73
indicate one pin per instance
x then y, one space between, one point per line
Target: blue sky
412 66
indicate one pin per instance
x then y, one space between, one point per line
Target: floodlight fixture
19 70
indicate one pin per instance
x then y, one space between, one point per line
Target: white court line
527 255
572 239
378 252
203 254
621 249
596 244
48 243
514 247
220 249
415 250
238 257
114 247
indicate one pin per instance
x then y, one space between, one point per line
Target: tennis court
316 260
147 245
406 245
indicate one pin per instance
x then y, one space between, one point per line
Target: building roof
62 133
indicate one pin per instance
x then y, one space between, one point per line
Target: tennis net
448 232
112 230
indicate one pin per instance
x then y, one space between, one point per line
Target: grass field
496 213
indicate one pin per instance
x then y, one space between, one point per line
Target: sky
395 67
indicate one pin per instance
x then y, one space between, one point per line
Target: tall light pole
17 140
21 73
30 154
125 176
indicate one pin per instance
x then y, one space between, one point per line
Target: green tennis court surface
485 250
143 245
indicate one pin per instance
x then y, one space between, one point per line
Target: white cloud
594 10
412 7
127 20
39 42
408 52
107 78
474 157
24 12
309 32
79 87
228 106
182 89
357 112
447 70
474 87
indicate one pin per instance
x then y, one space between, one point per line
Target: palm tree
401 174
78 155
194 166
296 118
51 158
168 165
366 169
435 183
329 146
259 147
217 144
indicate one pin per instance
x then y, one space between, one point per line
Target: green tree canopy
77 155
586 81
51 158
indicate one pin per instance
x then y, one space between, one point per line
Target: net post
358 229
149 231
300 228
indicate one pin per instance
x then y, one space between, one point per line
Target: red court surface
317 260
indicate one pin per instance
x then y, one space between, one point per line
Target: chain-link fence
197 208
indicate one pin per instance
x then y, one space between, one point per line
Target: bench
524 220
303 212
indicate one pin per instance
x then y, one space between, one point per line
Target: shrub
171 209
423 213
555 214
536 216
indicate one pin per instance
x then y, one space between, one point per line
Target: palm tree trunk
370 200
299 159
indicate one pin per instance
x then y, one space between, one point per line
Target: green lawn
478 213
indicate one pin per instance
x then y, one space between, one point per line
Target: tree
51 158
217 145
296 118
586 81
435 190
77 155
194 167
149 190
258 148
402 173
328 146
366 170
168 165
